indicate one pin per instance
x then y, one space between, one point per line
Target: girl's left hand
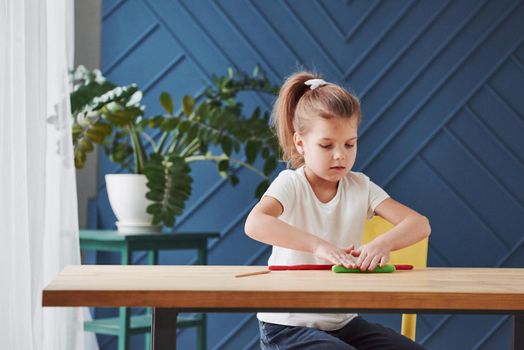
371 255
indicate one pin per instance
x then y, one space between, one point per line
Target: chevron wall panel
441 85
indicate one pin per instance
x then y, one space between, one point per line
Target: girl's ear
299 143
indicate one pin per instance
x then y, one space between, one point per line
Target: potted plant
157 150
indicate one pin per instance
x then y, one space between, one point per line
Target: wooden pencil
253 273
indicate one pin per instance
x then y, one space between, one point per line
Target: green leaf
157 218
265 152
192 132
154 208
169 124
155 196
251 151
223 165
85 145
234 179
269 166
203 148
188 103
155 122
95 136
167 102
77 129
183 126
236 146
227 145
261 188
156 185
169 219
80 158
156 177
256 113
102 128
121 117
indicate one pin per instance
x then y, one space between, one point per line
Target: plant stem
190 148
150 140
167 178
222 157
138 150
175 141
162 141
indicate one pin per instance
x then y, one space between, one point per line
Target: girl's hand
371 255
335 255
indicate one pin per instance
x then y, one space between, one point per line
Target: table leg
202 334
163 329
123 328
518 331
152 257
202 253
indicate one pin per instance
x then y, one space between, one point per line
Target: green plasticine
378 269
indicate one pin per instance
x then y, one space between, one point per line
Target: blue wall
441 86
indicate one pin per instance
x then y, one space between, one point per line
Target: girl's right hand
336 255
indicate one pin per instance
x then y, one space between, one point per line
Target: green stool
126 324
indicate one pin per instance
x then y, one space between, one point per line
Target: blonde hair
297 103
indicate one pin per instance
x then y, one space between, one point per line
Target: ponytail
284 115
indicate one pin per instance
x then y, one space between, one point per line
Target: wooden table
173 289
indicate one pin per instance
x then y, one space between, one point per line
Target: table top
216 287
113 235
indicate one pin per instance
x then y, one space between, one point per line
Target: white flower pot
127 196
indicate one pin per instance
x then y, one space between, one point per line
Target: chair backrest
416 255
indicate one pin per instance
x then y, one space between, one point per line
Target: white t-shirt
340 221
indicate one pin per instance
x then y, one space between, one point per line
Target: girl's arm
410 227
263 225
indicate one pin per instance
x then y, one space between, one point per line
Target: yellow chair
416 255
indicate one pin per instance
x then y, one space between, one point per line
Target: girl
315 214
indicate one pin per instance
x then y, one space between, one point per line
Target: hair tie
315 83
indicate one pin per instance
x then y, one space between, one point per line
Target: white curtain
38 207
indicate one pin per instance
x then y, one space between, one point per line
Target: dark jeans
357 334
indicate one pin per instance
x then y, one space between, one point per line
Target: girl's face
329 147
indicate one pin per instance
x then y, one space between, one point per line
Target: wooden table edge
286 300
